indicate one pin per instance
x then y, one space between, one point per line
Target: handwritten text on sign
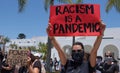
75 20
17 57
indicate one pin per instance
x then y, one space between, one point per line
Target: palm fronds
113 3
21 4
79 1
47 3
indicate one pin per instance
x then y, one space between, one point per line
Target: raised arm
57 46
96 45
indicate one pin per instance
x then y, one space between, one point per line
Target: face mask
78 56
98 61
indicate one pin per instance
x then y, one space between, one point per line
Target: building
111 42
25 43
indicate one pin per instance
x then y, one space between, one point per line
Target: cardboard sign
16 57
75 20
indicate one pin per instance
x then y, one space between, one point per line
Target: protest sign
16 57
75 20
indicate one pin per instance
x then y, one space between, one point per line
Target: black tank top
83 68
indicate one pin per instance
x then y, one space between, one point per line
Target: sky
34 19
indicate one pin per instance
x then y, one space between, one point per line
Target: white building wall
104 43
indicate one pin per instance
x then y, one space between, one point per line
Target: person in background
6 68
56 64
107 66
34 64
43 70
108 54
1 59
99 64
51 65
77 63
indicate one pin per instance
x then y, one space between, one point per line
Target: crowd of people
34 65
80 62
108 64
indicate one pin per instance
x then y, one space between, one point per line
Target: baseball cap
37 54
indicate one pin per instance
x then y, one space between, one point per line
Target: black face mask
78 56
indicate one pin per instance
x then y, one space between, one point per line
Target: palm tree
22 4
3 41
33 48
21 36
47 4
113 3
110 4
13 46
43 49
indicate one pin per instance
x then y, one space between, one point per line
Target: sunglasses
76 51
108 56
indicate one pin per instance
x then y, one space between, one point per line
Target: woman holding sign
77 64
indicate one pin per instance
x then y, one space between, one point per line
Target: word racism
16 57
81 9
75 20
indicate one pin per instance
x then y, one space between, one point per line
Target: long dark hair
32 58
78 43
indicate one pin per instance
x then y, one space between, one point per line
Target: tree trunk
49 48
48 56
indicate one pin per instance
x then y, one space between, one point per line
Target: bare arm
57 47
7 68
96 45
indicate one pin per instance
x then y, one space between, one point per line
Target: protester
99 64
43 70
51 65
6 68
77 63
1 58
56 64
108 54
108 66
34 64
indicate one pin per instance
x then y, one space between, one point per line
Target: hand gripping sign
75 20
